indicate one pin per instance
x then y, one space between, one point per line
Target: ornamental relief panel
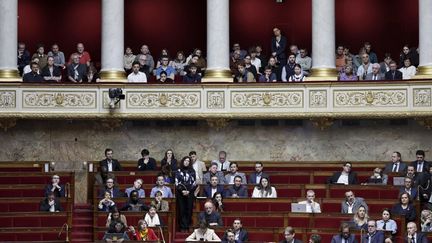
215 100
152 100
318 98
422 97
7 99
370 98
59 99
270 99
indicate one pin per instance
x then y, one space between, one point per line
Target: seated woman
348 74
298 75
55 187
405 208
426 220
203 233
143 233
408 70
152 218
116 233
134 203
217 200
361 218
386 223
164 79
106 204
114 216
179 63
50 203
264 190
160 204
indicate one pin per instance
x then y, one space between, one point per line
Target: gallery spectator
348 74
305 61
375 74
59 57
298 75
148 60
146 163
408 70
83 56
268 76
23 57
76 70
408 52
51 72
40 54
288 69
179 63
34 75
55 187
393 73
128 60
50 203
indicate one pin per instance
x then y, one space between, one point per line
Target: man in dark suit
109 187
109 162
373 235
237 229
413 236
213 187
237 190
50 204
289 235
212 217
393 73
396 165
409 188
420 165
346 176
256 176
278 46
344 234
55 187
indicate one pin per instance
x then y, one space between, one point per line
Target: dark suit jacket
243 236
389 167
280 52
409 213
338 239
214 217
252 177
378 237
115 164
295 241
413 192
352 178
116 193
207 190
44 206
151 165
426 165
420 238
57 193
397 75
241 191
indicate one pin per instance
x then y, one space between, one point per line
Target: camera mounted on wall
115 95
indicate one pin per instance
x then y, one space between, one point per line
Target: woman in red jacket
143 233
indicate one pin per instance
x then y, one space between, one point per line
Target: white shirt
350 208
408 72
52 208
420 167
313 207
213 191
343 179
257 63
109 163
140 77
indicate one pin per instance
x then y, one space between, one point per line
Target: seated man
136 76
198 166
50 204
59 57
289 235
344 236
352 203
377 178
213 187
411 173
34 75
170 71
83 56
373 235
55 187
51 72
243 75
109 187
229 178
237 190
109 162
393 73
146 162
256 176
346 176
213 171
136 187
230 237
305 61
192 76
160 186
413 236
240 234
420 164
222 163
77 72
134 204
409 188
375 74
212 217
396 165
311 205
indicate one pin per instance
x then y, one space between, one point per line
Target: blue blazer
338 239
241 192
208 191
252 177
378 237
413 192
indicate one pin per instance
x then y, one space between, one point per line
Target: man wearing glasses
373 236
344 177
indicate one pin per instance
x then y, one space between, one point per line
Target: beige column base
424 72
9 75
218 76
113 76
323 74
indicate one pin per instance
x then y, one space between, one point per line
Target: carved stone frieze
422 97
270 99
215 100
318 98
59 99
152 100
373 98
7 99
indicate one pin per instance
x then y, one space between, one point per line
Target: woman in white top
298 75
408 70
264 190
152 218
203 233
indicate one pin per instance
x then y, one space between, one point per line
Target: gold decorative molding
270 99
113 76
154 100
218 76
365 98
7 99
10 75
323 74
59 99
110 124
425 121
7 123
322 123
424 72
218 123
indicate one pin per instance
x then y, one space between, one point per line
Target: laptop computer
398 180
298 208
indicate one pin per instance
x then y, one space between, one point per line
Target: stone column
425 39
218 42
8 40
323 41
112 41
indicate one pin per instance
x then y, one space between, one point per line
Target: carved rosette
215 100
318 98
365 98
7 99
163 100
59 99
422 97
270 99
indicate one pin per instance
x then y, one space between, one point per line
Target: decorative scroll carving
59 99
163 99
215 100
322 123
422 97
271 99
377 98
218 123
318 98
7 123
7 99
